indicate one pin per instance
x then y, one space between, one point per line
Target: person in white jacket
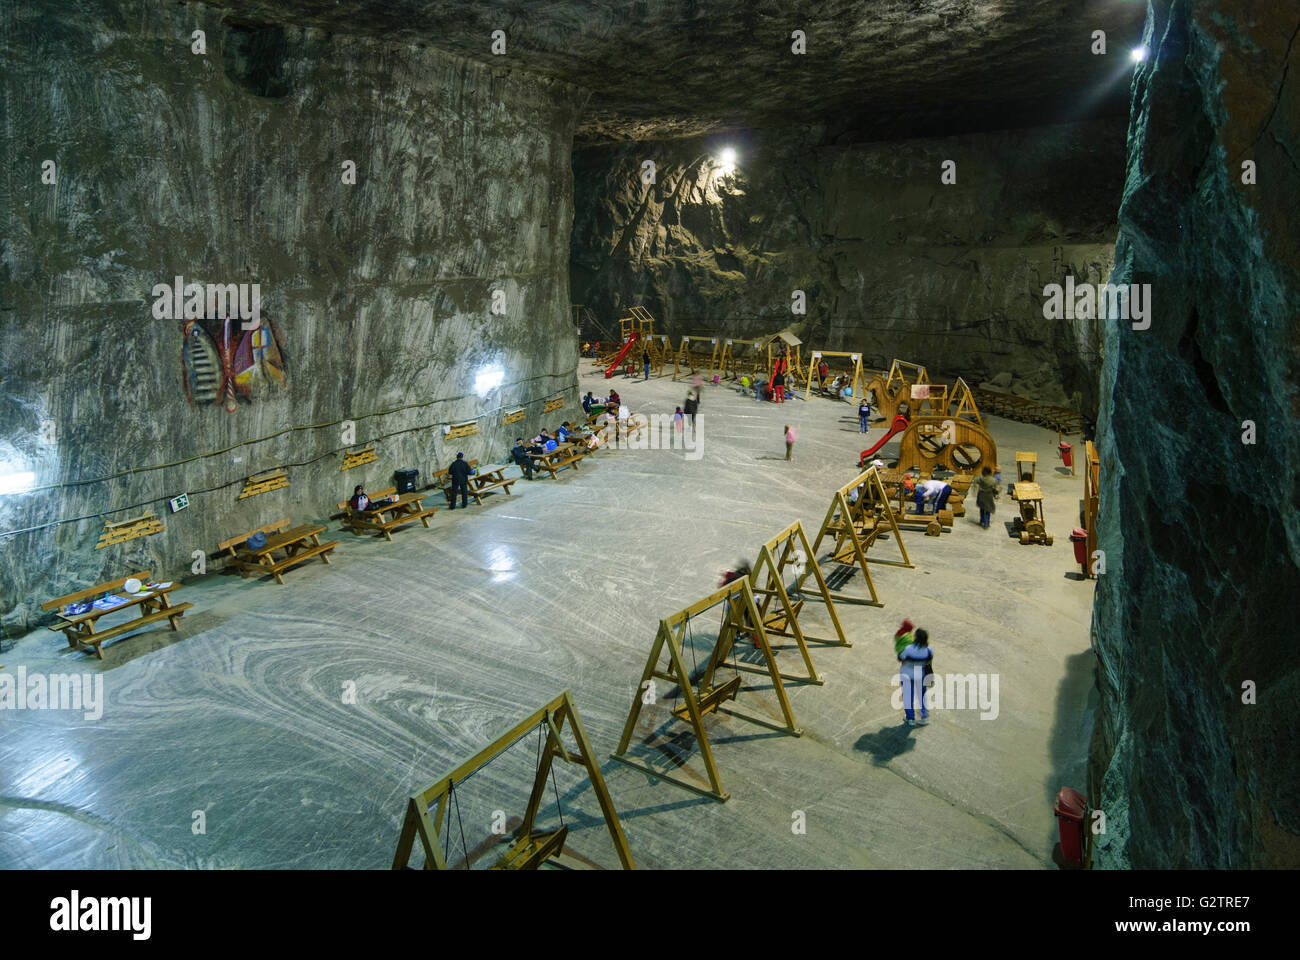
913 662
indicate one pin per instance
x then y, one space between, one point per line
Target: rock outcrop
228 166
1194 759
892 261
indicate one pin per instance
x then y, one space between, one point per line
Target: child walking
789 440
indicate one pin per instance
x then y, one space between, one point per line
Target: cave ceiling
873 69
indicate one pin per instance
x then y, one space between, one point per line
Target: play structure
1031 523
892 392
743 358
698 354
790 550
857 380
702 691
859 515
430 813
945 443
898 426
637 338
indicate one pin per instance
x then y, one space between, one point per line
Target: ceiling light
1139 54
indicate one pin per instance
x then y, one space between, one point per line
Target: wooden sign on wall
264 483
356 458
513 417
553 405
123 530
461 429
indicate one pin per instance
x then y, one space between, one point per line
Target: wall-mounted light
728 161
487 379
19 482
1139 54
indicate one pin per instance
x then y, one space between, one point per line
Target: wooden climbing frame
948 443
855 524
740 617
894 389
428 813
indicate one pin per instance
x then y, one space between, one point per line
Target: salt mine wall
1194 757
893 262
228 166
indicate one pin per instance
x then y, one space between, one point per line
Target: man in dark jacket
691 407
459 472
520 455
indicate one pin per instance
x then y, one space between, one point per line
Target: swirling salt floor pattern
446 637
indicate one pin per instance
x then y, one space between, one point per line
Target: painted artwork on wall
225 364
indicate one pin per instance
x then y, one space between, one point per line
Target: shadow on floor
886 743
1076 705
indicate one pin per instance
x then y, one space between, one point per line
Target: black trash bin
406 480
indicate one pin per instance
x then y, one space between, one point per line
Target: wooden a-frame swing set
529 849
740 617
855 523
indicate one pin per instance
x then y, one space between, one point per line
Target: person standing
691 407
986 492
587 401
914 665
778 386
935 490
789 441
760 384
678 417
645 362
459 472
864 416
823 371
520 455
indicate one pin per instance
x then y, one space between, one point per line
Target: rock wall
893 262
1201 593
227 167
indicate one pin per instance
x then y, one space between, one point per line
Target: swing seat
709 699
777 622
532 853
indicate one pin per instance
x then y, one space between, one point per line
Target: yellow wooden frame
686 358
671 634
790 543
1091 502
858 382
357 458
145 525
527 851
276 480
842 522
961 403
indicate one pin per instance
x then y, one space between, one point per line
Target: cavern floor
452 634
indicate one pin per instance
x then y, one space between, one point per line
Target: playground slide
609 372
897 427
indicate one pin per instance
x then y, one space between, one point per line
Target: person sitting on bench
361 502
520 455
459 472
587 401
935 490
563 434
613 400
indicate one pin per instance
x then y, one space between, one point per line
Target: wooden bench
406 509
299 544
80 628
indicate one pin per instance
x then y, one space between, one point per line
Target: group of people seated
523 452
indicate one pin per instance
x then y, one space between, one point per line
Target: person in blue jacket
913 664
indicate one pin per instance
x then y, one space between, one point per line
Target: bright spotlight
728 161
1139 54
487 379
17 482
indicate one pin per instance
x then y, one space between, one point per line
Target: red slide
609 372
898 426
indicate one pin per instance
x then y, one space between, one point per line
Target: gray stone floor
451 635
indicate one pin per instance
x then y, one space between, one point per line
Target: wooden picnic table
407 508
80 629
564 455
299 544
488 479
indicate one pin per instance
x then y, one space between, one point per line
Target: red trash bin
1079 537
1067 454
1071 808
